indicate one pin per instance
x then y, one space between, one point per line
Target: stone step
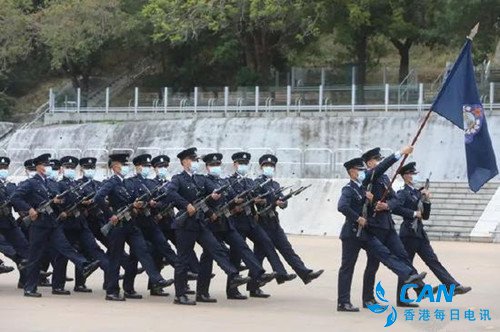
463 185
453 212
482 202
445 205
456 217
458 195
455 223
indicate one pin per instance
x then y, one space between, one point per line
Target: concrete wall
440 148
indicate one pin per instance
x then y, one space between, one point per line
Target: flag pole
471 36
419 131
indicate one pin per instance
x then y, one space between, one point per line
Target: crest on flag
473 120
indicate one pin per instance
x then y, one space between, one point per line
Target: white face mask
4 173
215 170
70 173
416 178
48 169
145 171
361 176
268 171
31 174
195 167
89 173
242 169
162 172
124 171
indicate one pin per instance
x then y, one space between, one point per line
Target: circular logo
473 120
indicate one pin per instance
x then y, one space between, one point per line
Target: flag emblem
473 120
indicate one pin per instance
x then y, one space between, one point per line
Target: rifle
74 210
364 211
46 206
201 204
292 193
125 212
225 209
166 211
423 210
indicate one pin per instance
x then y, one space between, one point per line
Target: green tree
412 22
264 29
76 33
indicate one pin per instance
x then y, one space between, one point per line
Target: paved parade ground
292 307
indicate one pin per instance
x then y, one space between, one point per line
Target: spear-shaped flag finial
473 32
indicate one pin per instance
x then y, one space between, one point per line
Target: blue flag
459 102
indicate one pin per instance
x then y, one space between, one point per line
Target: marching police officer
224 230
271 223
75 229
185 191
123 230
243 219
31 197
415 207
10 230
140 185
380 222
350 204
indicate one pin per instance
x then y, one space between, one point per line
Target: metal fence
268 99
293 162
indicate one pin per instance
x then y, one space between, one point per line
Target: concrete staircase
456 210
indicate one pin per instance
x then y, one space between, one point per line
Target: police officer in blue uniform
141 185
243 219
415 206
164 214
96 219
350 204
75 229
271 223
44 231
225 231
116 192
185 189
10 230
380 222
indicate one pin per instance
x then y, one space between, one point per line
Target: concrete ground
292 307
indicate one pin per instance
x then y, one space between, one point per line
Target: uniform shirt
71 198
6 191
350 205
409 198
213 183
272 187
381 181
245 219
185 189
116 192
33 193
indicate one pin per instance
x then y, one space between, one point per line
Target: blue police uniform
417 241
185 189
271 224
350 205
225 231
125 231
44 231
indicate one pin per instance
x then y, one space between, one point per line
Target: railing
305 99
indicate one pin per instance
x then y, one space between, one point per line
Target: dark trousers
40 239
284 247
423 248
15 237
260 239
84 241
160 249
212 250
350 252
239 247
121 233
386 245
169 233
